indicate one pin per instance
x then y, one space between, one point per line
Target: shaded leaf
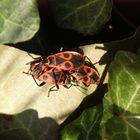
108 109
19 20
86 127
27 126
122 103
84 16
131 43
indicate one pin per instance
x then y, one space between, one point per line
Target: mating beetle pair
61 68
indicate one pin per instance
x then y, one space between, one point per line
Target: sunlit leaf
124 83
122 103
19 20
19 94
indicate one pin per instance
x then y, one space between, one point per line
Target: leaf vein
133 127
12 22
77 10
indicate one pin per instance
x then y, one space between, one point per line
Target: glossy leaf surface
19 20
122 107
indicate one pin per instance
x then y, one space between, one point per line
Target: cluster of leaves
20 19
118 116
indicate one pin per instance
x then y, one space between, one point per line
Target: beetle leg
85 57
41 84
89 61
34 59
87 85
52 89
66 86
27 73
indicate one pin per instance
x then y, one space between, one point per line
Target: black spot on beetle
85 79
45 77
67 65
88 70
66 55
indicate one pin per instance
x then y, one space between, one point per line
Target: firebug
42 72
87 74
67 60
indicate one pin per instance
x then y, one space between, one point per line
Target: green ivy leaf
122 103
27 126
124 81
19 20
86 127
84 16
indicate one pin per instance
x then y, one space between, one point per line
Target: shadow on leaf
26 126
